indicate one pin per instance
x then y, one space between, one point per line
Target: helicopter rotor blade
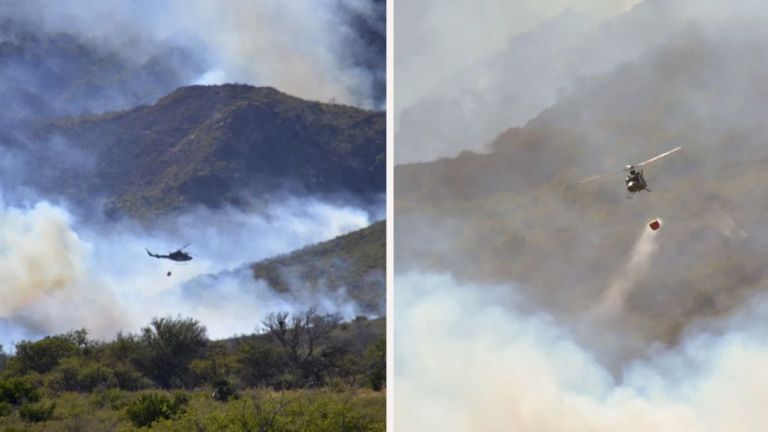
185 246
659 156
599 176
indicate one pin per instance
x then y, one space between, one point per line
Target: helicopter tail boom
155 255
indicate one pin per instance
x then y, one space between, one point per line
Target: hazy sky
434 38
308 48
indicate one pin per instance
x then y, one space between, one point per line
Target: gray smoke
302 47
509 61
468 359
532 254
61 273
67 267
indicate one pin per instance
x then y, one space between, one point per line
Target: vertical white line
390 219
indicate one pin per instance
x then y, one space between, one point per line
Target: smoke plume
63 273
312 49
468 359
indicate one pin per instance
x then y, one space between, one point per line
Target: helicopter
178 255
635 180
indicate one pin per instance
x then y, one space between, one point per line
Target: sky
437 38
311 49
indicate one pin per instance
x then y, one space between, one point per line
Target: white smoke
627 278
428 40
299 47
290 45
61 274
465 362
234 302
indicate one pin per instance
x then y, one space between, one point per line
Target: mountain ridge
518 215
200 140
354 262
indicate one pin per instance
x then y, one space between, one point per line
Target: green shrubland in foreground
301 372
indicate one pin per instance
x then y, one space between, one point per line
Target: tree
376 364
127 355
171 345
44 355
3 358
306 339
261 364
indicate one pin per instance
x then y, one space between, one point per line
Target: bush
78 375
151 407
37 412
43 355
95 376
260 365
222 390
110 398
128 378
18 390
317 411
376 359
171 345
5 409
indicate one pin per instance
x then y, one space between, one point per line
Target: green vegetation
302 371
149 408
199 141
355 262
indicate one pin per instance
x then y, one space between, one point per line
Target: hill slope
518 214
213 144
355 262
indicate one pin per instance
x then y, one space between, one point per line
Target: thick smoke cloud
302 48
430 47
506 63
662 331
468 358
62 273
535 69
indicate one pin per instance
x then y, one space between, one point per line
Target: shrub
18 390
376 359
172 344
151 407
128 378
111 398
222 390
37 412
5 409
260 364
95 376
43 355
78 375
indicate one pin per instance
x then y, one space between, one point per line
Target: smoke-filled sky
550 303
62 273
435 38
314 49
66 265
